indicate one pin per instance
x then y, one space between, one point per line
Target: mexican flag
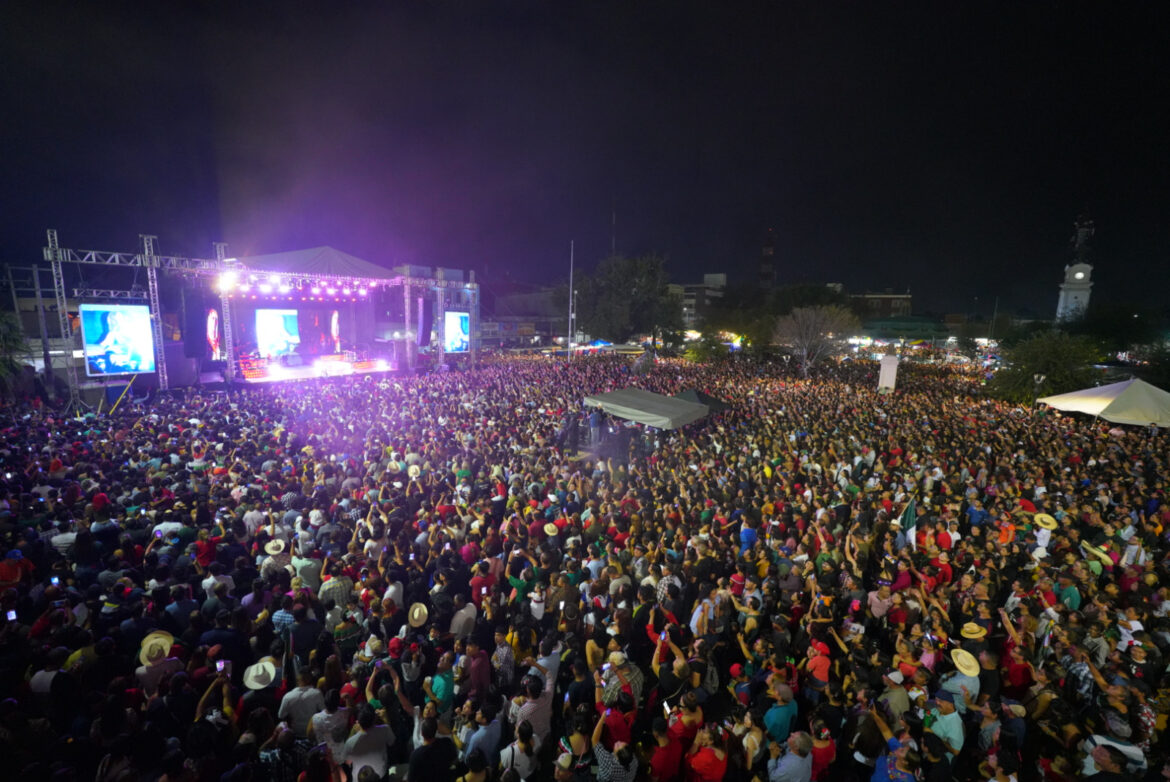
909 522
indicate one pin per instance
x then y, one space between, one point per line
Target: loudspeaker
426 317
194 324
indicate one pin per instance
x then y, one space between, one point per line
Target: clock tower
1074 291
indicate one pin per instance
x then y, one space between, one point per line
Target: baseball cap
736 671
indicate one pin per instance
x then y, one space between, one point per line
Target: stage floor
252 373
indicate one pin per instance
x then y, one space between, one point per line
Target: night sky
902 145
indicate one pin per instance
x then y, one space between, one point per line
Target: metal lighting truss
107 293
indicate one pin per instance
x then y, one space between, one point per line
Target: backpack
709 685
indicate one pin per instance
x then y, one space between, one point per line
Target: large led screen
117 339
456 332
214 335
277 333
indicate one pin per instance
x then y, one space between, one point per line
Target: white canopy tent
1129 402
646 407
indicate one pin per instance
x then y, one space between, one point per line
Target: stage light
345 291
265 288
274 280
331 291
285 289
316 290
361 291
227 281
245 288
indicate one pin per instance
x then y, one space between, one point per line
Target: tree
707 349
13 347
744 310
1116 327
628 296
812 331
1062 360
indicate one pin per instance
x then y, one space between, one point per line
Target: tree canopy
625 297
812 331
13 347
1064 360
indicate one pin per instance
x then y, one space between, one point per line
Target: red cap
736 671
395 647
820 646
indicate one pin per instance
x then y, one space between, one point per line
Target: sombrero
972 630
965 662
418 615
1044 521
156 647
260 675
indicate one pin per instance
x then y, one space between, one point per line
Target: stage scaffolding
211 268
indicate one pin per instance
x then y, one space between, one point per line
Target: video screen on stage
214 335
277 333
456 332
117 339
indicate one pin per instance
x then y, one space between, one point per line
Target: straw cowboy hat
260 675
413 470
418 615
1044 521
156 647
274 547
973 631
551 530
965 662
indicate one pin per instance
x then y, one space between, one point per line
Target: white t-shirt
513 757
298 707
368 748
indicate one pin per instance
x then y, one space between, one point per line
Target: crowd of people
428 578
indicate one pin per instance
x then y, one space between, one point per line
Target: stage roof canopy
646 407
1128 402
321 261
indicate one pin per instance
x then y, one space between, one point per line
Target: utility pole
569 341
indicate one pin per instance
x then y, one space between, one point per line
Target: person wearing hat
260 682
963 682
156 659
946 724
816 664
1115 732
974 635
895 697
740 685
1045 524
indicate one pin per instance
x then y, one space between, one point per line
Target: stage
257 370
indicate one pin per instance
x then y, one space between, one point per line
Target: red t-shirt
706 766
665 761
818 667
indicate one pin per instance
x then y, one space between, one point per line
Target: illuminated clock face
1079 275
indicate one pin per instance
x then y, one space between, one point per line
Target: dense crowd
469 576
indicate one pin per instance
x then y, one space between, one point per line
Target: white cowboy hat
274 546
156 647
260 675
418 615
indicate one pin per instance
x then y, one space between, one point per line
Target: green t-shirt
443 685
